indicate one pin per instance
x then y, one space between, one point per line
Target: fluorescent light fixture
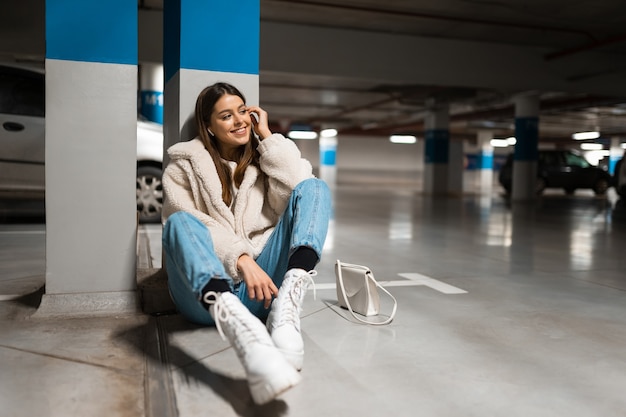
586 135
328 133
402 139
511 140
302 134
499 143
591 146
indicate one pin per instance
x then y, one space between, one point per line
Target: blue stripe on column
171 38
527 137
328 157
485 160
217 36
437 145
92 31
612 162
152 105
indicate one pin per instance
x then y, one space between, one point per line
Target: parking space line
412 280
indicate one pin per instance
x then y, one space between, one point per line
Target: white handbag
357 291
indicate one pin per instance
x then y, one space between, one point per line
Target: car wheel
601 186
540 185
149 193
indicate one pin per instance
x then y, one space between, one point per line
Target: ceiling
591 32
563 27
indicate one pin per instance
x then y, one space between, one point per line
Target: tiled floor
539 331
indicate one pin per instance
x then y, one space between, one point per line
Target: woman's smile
240 131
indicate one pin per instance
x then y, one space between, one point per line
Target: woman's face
230 123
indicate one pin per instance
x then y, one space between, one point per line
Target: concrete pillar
456 167
616 153
437 138
91 131
151 91
206 42
484 163
526 147
328 159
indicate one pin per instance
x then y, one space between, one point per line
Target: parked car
566 169
22 146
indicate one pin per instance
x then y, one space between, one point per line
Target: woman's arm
260 286
285 168
182 194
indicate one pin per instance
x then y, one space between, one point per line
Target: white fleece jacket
191 184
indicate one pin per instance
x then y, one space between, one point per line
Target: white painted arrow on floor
412 279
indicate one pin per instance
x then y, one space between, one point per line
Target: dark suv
564 169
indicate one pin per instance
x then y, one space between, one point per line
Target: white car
22 149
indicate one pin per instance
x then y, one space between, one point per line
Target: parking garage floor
502 311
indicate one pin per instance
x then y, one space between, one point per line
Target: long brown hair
246 154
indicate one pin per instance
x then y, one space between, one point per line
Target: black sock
303 258
216 285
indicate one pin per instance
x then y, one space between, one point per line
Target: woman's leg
191 263
192 267
303 224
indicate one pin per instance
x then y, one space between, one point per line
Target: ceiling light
499 143
586 135
302 134
511 140
328 133
402 139
591 146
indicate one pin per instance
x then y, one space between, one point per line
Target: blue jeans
191 261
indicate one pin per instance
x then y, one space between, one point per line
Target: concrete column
195 57
616 153
526 148
328 159
456 167
437 138
151 91
91 131
484 163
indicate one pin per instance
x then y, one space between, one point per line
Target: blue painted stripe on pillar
171 38
215 36
328 157
485 160
613 159
527 136
92 31
152 105
437 146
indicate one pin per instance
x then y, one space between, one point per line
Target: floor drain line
159 386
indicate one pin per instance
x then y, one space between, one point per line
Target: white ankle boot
283 322
268 372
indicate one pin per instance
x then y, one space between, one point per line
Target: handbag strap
345 297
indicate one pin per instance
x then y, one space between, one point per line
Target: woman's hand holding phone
260 122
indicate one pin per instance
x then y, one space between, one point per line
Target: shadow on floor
155 344
22 307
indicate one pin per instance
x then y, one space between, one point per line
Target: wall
374 161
